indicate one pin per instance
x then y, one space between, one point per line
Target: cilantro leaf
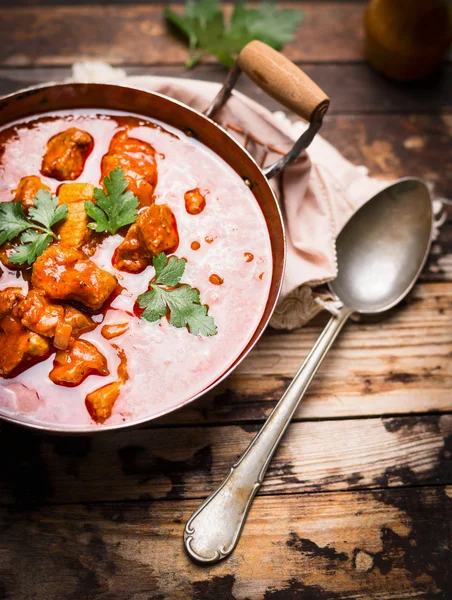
153 303
208 32
179 302
182 302
186 310
168 273
98 215
159 263
203 21
46 210
198 321
255 22
12 221
35 230
115 208
33 245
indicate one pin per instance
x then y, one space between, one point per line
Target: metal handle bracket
301 144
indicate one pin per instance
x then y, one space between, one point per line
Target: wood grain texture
398 365
353 88
386 545
398 146
281 79
137 34
190 462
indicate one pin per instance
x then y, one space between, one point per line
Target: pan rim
262 325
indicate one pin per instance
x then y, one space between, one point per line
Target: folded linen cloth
318 193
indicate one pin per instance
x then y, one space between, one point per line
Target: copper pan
275 74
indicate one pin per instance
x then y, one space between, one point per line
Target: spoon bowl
383 247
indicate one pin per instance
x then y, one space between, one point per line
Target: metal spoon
380 253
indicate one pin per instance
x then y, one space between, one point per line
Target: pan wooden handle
283 80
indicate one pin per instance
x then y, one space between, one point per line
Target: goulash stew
135 267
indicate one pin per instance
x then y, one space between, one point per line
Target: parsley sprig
34 229
182 301
115 208
207 31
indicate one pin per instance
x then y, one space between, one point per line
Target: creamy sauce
166 366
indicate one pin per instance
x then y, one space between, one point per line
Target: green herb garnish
207 31
35 229
182 301
115 208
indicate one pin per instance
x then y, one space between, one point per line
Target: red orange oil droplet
195 202
216 279
137 310
114 330
195 245
209 239
261 275
249 257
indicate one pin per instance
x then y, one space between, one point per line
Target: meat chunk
114 330
9 299
73 366
154 231
66 274
52 320
137 159
39 315
66 154
195 202
79 322
130 255
27 189
74 231
158 229
38 346
18 345
74 324
13 344
100 402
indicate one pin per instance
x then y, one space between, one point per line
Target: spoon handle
213 531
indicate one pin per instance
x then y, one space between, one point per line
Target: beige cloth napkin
318 194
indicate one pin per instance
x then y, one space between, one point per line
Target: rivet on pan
247 182
190 133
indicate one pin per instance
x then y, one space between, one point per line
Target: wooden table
356 503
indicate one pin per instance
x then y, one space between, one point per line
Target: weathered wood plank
393 146
353 88
398 146
400 365
137 34
389 545
190 462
